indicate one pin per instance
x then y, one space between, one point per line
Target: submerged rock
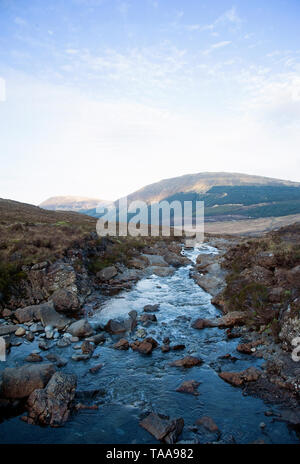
162 427
208 423
189 386
188 362
122 345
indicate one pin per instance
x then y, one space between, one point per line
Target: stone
96 339
161 271
66 301
151 308
200 324
95 369
189 386
87 347
80 357
208 423
30 337
107 273
122 345
63 342
43 345
162 428
51 405
118 327
237 379
81 329
34 357
145 347
20 382
178 347
60 362
165 348
188 362
45 313
148 317
20 332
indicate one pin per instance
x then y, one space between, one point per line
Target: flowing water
130 384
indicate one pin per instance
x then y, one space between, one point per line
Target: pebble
262 425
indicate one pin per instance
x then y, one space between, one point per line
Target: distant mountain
72 203
227 196
202 183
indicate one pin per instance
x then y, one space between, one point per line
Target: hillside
71 203
202 183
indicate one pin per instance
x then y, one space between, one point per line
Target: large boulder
51 406
44 313
162 427
160 271
66 301
7 329
20 382
81 329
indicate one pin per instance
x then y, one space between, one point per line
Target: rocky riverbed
157 361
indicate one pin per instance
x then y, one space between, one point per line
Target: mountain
72 203
202 183
228 196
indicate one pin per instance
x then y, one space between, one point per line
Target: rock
95 369
34 357
138 263
7 329
232 319
145 347
133 314
107 273
189 386
165 348
117 327
151 308
210 283
63 342
208 423
7 313
20 332
161 271
162 428
176 260
248 348
122 345
29 337
20 382
155 260
141 333
51 406
290 326
166 340
45 313
200 324
148 317
43 345
80 357
188 362
238 379
81 329
262 425
60 362
96 339
178 347
87 347
66 301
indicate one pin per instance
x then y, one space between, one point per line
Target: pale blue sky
106 96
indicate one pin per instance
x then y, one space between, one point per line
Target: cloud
216 46
230 16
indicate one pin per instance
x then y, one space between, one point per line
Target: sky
99 98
